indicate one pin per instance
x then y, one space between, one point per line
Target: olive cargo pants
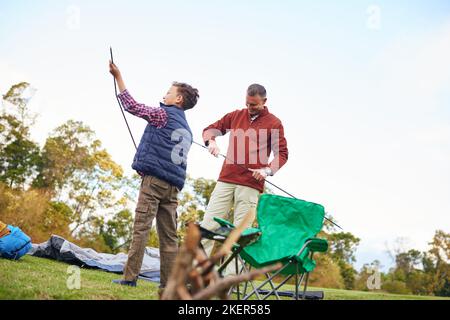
157 198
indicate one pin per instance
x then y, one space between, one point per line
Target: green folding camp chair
288 229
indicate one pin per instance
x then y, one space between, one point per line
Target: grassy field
37 278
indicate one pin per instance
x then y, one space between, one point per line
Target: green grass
37 278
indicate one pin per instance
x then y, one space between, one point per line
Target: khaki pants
157 198
223 198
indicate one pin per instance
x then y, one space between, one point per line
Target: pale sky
362 88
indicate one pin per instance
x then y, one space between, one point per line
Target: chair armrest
250 232
223 222
247 232
317 245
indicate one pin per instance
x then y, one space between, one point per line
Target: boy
161 161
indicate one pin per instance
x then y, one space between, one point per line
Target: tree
116 232
440 247
56 219
408 261
327 274
19 155
193 201
438 262
76 170
409 270
423 272
18 96
342 250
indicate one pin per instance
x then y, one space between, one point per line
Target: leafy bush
395 286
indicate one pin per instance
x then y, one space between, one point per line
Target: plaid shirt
156 116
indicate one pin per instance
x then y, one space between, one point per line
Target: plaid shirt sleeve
156 116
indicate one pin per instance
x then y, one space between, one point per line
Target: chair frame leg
245 270
278 286
255 291
298 280
236 264
267 281
307 278
224 264
273 287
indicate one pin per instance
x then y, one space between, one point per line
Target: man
161 161
254 134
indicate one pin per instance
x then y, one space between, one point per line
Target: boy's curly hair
190 94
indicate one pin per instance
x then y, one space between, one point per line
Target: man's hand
259 174
213 148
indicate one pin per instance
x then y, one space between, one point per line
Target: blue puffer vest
163 152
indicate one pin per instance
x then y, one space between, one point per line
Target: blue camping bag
14 245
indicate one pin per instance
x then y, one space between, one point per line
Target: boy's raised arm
156 116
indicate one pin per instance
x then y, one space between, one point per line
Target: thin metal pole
120 105
272 184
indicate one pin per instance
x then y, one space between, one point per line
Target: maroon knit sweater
250 145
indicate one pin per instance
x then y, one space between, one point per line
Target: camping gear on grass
58 248
14 243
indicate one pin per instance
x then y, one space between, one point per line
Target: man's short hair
190 95
256 89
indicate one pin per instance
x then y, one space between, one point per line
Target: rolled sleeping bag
14 244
